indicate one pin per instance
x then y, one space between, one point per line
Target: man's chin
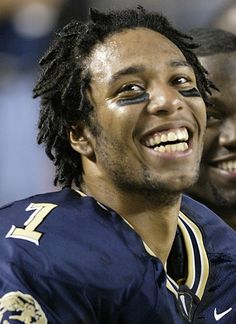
182 184
173 188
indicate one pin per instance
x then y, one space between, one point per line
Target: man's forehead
136 37
132 45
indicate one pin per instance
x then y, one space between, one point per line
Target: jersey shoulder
73 234
39 210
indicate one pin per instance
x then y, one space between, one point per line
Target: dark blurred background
26 28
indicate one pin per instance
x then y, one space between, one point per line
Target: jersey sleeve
28 298
31 290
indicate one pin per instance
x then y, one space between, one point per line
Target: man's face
217 182
150 114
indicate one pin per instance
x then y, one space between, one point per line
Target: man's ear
82 140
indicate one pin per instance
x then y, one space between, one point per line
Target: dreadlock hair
213 41
63 82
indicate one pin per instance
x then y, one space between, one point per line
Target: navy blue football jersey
65 258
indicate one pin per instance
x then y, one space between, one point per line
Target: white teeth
152 141
164 138
160 149
180 134
157 140
180 147
228 166
172 137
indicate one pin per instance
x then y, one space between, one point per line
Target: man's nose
164 100
227 135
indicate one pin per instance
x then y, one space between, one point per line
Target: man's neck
154 220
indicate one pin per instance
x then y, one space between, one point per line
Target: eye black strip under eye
133 101
190 93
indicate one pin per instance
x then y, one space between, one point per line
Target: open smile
225 168
227 165
168 141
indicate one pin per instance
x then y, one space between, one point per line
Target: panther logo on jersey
20 307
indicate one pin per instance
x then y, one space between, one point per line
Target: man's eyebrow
180 63
134 69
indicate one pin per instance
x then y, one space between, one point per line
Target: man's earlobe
81 140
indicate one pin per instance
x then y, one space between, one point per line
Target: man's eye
131 88
131 94
180 80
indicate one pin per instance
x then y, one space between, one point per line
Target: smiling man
216 186
123 117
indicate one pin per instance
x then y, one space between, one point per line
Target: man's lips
226 163
168 140
168 126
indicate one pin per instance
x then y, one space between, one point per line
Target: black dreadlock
213 41
63 82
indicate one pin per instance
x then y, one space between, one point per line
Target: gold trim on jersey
203 255
194 268
73 187
190 254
